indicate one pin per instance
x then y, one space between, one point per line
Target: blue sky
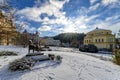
51 17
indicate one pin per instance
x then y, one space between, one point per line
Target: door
111 47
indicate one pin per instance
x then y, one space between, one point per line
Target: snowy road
74 66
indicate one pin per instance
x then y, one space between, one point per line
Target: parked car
83 48
88 48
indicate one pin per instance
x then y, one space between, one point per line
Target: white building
52 42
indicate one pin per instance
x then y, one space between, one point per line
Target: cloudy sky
51 17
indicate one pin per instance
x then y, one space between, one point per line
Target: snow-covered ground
75 65
101 55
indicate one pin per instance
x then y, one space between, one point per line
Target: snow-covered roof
98 29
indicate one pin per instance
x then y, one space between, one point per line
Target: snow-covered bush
51 56
8 53
21 64
58 57
117 56
54 57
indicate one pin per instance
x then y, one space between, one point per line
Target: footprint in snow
97 67
49 77
91 74
52 74
108 70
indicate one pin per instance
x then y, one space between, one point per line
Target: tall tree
7 18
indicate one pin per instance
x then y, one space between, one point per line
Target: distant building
65 45
52 42
101 38
8 31
32 36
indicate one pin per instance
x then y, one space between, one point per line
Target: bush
8 53
51 56
116 57
21 64
59 58
46 46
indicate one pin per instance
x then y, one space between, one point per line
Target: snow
75 65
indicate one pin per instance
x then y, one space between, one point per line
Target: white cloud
69 24
1 1
52 8
93 1
69 28
106 2
94 7
110 23
44 28
116 17
32 29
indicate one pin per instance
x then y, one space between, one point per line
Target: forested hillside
74 39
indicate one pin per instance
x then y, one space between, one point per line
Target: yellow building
7 30
101 38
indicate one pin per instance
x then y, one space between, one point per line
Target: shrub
8 53
116 57
46 46
59 58
21 64
51 56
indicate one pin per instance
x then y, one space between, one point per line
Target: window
102 40
99 40
96 40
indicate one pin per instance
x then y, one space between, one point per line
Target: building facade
101 38
52 42
7 30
